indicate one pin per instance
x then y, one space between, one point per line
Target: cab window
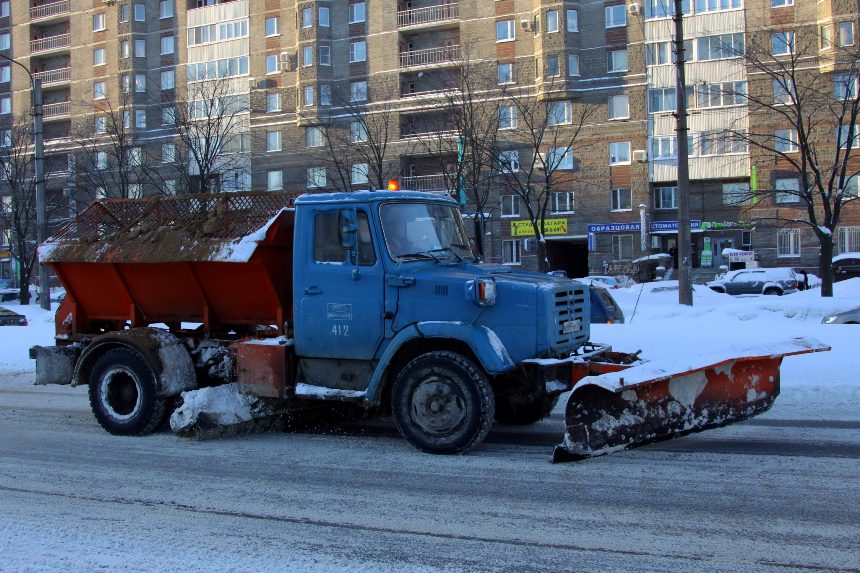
326 246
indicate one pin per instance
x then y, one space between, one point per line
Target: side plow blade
648 403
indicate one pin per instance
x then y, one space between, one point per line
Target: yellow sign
550 227
5 254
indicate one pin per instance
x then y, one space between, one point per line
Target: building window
140 13
620 199
559 112
618 107
357 12
508 117
357 51
720 47
325 55
786 140
168 153
825 37
505 73
619 153
572 65
622 247
506 30
99 24
844 135
719 95
134 157
325 94
782 89
308 94
140 119
358 91
736 193
124 49
123 13
273 102
316 178
787 190
846 33
509 161
562 202
781 3
100 124
788 243
165 9
324 19
552 21
5 41
847 240
4 9
168 116
852 186
781 43
704 6
307 56
665 197
511 252
272 64
572 21
616 16
225 68
98 57
510 206
126 119
124 83
140 83
664 147
357 132
313 137
844 86
271 26
559 158
99 90
5 105
721 143
553 68
140 48
617 61
274 180
273 141
168 79
168 45
358 174
170 187
307 17
101 160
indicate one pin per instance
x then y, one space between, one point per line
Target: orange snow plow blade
626 406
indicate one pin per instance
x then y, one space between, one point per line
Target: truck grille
568 304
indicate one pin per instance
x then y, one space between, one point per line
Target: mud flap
645 404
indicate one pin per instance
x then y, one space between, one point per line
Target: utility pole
685 262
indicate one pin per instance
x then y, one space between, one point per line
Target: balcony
55 110
430 57
430 183
51 10
428 16
50 43
51 77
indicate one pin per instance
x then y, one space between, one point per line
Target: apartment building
293 68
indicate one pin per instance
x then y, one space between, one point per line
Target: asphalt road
768 495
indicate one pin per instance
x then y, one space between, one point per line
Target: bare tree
18 199
535 158
213 133
805 119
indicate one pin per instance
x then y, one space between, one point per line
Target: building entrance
568 254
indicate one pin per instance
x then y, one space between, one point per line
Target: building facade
121 77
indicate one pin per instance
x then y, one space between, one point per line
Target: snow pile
216 406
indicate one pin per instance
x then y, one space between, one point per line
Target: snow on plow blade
649 403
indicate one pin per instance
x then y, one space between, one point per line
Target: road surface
772 494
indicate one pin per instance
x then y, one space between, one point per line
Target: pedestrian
804 284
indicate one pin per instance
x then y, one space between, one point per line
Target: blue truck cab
391 307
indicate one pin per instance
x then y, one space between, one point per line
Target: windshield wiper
421 254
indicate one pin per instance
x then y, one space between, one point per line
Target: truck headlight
485 291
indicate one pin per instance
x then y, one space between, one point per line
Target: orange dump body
223 261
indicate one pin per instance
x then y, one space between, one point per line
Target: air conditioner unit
640 155
526 25
287 59
634 8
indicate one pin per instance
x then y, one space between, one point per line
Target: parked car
850 316
770 281
604 309
600 280
14 295
846 266
9 318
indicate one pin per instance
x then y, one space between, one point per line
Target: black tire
518 410
123 394
442 403
773 291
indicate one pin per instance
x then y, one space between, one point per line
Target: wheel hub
120 393
438 407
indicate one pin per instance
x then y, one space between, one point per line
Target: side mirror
347 229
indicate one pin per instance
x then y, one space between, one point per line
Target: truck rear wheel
123 394
442 403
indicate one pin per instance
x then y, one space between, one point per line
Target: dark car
9 318
604 309
771 281
846 266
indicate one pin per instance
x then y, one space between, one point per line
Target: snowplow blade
648 403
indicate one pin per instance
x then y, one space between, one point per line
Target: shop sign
550 227
720 225
635 227
707 254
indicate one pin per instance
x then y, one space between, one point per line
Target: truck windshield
424 231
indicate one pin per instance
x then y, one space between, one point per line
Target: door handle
313 290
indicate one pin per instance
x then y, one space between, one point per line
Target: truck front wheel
123 394
442 403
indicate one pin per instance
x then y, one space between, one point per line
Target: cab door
338 294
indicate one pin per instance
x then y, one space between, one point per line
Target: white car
772 281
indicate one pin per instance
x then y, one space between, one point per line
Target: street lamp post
39 163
